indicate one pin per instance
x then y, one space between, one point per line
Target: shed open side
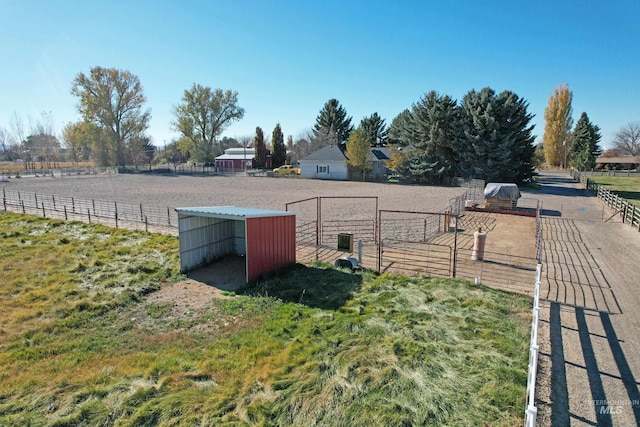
265 237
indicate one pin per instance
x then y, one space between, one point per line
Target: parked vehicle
286 170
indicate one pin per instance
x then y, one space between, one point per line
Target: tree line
485 135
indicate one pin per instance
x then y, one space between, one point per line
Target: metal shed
267 238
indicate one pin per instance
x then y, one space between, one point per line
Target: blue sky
287 58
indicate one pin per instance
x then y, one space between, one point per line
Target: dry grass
81 345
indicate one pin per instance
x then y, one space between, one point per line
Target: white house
330 163
327 163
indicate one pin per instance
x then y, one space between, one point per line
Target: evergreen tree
417 166
375 130
260 148
585 145
279 156
497 143
358 153
436 131
557 128
333 119
400 129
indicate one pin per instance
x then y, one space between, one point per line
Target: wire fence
110 213
58 172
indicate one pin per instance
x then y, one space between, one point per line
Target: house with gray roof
330 162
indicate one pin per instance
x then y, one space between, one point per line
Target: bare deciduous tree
5 143
627 139
310 142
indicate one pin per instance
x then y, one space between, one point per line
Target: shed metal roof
231 212
236 156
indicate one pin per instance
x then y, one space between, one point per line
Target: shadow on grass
317 287
629 195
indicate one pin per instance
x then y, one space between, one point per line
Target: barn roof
231 212
619 159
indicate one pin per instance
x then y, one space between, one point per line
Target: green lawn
627 187
80 344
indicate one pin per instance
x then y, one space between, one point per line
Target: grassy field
81 345
627 187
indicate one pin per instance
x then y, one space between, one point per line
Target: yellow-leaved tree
558 125
359 153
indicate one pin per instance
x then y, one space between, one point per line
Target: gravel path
589 363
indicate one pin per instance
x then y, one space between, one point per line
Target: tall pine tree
260 148
375 130
279 156
333 119
497 141
400 129
436 132
585 144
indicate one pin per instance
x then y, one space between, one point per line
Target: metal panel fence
113 214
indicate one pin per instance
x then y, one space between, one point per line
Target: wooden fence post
89 215
65 213
115 205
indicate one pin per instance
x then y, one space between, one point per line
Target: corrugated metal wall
203 239
271 244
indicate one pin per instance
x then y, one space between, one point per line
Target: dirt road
590 331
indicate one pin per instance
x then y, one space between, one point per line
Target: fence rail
531 412
629 212
114 214
608 173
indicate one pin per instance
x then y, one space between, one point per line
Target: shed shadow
227 273
317 287
550 212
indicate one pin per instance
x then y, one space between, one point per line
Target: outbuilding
500 195
265 238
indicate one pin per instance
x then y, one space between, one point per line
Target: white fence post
531 412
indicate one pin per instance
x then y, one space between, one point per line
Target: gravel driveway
590 329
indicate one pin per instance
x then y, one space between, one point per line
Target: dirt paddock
343 200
